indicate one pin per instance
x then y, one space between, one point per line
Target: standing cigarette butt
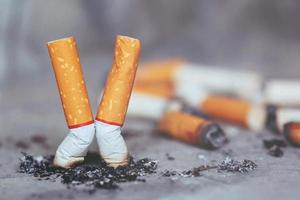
113 106
75 102
292 133
114 103
282 92
148 101
192 129
70 81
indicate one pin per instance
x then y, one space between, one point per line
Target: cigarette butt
148 101
235 111
113 106
75 102
160 89
282 92
70 82
292 133
114 103
161 71
241 83
192 130
278 117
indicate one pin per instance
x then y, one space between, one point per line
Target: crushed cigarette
113 106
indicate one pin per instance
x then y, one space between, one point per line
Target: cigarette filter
149 101
228 109
292 133
192 129
75 102
282 92
113 106
241 83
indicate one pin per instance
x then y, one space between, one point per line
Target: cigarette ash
227 165
274 147
230 165
93 173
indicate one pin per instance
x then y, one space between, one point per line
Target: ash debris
92 173
227 165
230 165
274 147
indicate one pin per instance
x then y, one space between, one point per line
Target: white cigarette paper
146 106
75 145
112 146
245 84
282 92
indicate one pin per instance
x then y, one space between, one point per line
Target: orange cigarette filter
292 133
159 71
192 129
161 89
227 109
114 103
69 77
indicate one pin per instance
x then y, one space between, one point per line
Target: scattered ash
230 165
274 147
92 173
169 157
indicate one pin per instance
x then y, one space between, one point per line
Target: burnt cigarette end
212 136
271 121
291 132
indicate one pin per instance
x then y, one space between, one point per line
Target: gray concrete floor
30 105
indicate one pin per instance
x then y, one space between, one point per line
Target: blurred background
260 35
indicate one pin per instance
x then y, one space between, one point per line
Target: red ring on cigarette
107 122
80 125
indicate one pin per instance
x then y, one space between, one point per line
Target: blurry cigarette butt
149 101
114 103
282 92
158 71
216 79
234 111
75 102
160 89
192 130
70 82
115 99
292 133
278 117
